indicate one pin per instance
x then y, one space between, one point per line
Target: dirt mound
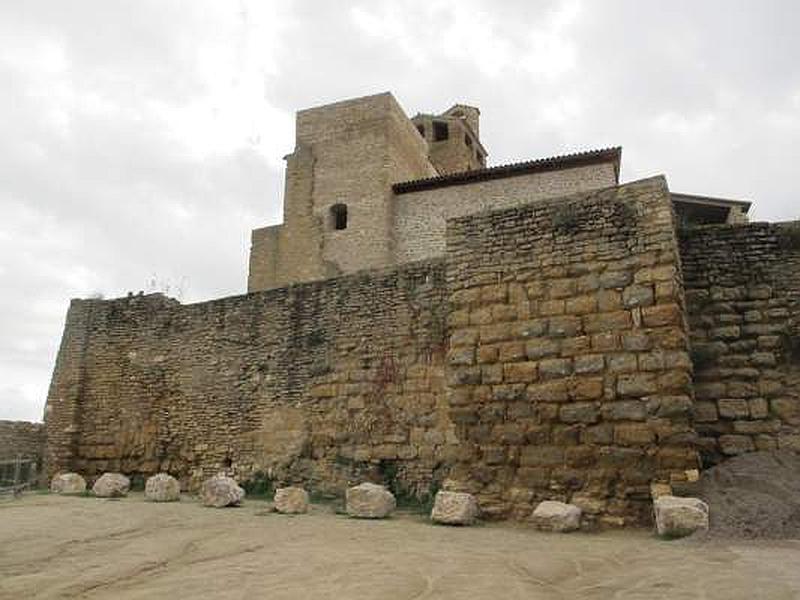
754 495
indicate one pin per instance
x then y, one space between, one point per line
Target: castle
369 188
524 332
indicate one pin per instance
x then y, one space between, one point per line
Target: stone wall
743 295
545 355
420 217
323 383
21 438
568 361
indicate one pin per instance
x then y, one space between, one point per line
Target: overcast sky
141 141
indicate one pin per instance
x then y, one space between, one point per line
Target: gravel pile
753 496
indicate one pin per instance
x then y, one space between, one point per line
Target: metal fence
17 474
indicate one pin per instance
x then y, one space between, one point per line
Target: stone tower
453 139
337 202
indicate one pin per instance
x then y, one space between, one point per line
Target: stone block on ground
291 500
68 483
678 517
369 501
162 488
561 517
221 491
111 485
454 508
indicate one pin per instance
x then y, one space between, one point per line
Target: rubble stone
679 517
454 508
561 517
111 485
221 491
68 483
162 488
291 500
369 501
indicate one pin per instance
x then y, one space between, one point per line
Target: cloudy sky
142 140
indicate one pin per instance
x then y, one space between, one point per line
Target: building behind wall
369 188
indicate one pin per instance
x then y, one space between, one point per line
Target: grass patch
566 218
259 486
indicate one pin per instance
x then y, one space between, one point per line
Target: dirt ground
61 547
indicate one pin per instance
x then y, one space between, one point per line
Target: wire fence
17 474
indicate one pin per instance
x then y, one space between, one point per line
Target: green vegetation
566 218
259 486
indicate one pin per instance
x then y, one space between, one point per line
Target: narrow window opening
421 129
468 141
339 216
439 131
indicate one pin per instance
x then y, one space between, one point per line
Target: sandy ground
59 547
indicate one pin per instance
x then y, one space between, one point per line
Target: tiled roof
554 163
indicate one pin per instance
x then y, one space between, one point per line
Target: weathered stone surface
20 438
551 515
221 491
162 488
454 508
351 373
679 517
291 500
111 485
741 334
369 501
68 483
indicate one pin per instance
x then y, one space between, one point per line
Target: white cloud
142 141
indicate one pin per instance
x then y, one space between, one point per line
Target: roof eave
555 163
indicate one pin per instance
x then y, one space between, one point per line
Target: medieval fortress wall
306 383
528 332
743 303
21 439
569 363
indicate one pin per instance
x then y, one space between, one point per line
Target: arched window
339 216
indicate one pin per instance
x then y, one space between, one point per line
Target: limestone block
735 444
369 501
579 412
111 485
733 408
589 504
68 483
555 367
162 488
291 500
454 508
658 489
679 517
220 491
551 515
590 363
661 315
637 295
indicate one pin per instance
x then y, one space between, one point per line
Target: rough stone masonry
563 337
